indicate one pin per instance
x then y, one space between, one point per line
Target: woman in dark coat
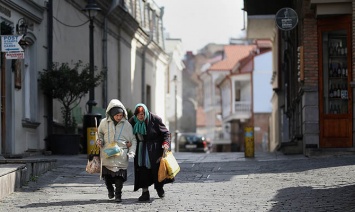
152 139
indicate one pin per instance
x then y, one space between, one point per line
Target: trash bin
89 131
249 142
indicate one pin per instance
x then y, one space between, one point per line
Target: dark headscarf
114 111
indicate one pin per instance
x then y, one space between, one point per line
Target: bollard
249 142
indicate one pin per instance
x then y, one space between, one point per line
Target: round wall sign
286 18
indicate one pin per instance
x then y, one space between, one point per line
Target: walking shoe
161 192
118 198
145 196
111 194
118 191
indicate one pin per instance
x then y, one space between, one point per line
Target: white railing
242 107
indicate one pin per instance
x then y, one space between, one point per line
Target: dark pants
117 181
145 178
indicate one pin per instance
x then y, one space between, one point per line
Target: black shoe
118 191
145 196
161 192
111 194
118 198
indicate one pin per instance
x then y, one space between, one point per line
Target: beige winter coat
108 132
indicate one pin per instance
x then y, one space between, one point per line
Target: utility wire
70 25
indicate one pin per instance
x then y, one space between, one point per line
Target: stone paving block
204 184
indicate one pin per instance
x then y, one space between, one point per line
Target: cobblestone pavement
206 182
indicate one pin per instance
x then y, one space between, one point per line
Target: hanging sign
10 43
15 55
286 18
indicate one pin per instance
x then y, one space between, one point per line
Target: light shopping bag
171 165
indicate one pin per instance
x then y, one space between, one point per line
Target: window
149 96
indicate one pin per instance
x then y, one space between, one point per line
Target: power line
70 25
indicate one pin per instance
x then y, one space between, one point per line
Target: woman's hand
128 144
99 142
165 146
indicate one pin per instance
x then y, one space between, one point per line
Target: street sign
15 55
10 43
286 19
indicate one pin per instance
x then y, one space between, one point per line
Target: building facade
219 79
128 48
174 49
22 117
313 72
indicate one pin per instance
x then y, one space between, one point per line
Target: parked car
192 142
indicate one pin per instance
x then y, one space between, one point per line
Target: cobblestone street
206 182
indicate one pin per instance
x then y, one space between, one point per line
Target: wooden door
335 105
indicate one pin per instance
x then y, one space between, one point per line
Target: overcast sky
199 22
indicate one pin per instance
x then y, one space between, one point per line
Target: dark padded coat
157 133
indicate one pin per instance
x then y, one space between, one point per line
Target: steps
14 173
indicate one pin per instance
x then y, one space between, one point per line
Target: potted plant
67 85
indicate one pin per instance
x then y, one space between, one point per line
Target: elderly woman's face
118 117
140 116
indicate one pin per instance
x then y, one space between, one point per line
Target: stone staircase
14 173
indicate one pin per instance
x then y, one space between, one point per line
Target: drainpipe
114 4
162 26
49 99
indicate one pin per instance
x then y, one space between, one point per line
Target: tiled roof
233 55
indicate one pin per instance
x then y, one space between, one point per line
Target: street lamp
22 26
89 122
92 9
176 124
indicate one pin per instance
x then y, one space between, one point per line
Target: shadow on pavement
307 198
95 202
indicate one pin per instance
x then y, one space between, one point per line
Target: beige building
128 47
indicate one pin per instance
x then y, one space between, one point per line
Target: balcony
242 111
242 107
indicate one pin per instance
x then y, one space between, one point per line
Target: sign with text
286 18
10 43
15 55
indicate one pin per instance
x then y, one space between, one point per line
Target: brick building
313 64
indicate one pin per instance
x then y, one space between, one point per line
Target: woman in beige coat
116 129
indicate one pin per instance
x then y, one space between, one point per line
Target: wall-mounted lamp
22 26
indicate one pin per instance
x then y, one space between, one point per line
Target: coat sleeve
163 130
101 130
132 139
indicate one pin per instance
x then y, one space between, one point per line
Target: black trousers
114 178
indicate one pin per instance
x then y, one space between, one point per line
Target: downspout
114 4
162 27
49 99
